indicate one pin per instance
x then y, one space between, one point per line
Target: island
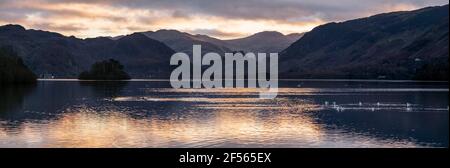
105 70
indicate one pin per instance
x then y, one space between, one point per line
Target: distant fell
398 45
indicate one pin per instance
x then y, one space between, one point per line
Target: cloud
219 18
269 9
59 28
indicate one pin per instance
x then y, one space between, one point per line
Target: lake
149 113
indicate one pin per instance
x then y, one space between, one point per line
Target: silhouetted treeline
12 68
105 70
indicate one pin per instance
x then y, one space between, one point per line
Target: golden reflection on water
235 91
83 127
207 122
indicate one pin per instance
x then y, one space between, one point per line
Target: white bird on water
407 107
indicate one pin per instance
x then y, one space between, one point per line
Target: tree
12 68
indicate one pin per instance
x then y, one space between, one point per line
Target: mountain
65 57
398 45
268 41
182 42
141 56
265 42
43 52
293 37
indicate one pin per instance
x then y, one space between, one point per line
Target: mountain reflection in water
151 114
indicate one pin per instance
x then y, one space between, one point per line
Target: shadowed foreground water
151 114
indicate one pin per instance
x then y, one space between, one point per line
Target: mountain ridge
396 45
263 42
182 41
62 56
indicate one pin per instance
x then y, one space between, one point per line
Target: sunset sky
218 18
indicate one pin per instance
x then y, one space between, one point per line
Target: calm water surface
306 113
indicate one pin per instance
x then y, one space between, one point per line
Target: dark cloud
13 15
180 14
287 10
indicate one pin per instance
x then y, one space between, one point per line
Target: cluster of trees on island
105 70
